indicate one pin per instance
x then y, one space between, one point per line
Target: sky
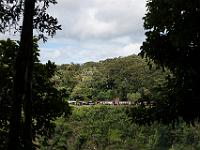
94 30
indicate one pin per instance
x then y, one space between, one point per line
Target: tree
133 97
48 102
33 18
6 77
109 79
173 42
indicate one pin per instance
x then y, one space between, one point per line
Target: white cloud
94 30
51 53
88 52
100 19
132 48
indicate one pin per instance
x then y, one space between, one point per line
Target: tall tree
173 41
48 101
33 17
23 82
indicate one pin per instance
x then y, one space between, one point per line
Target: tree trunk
21 138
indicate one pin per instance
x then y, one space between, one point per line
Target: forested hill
124 77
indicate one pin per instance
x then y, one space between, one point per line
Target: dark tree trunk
20 134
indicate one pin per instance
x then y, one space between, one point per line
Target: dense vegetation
24 16
48 102
32 96
173 41
109 127
125 77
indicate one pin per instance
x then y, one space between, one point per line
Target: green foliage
108 127
172 41
24 16
108 79
134 96
48 102
42 21
6 83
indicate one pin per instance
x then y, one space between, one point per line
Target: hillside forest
125 78
161 82
58 126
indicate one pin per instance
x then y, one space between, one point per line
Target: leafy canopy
173 41
48 102
11 16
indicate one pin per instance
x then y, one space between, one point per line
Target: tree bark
21 137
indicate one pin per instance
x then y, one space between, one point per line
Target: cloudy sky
94 30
